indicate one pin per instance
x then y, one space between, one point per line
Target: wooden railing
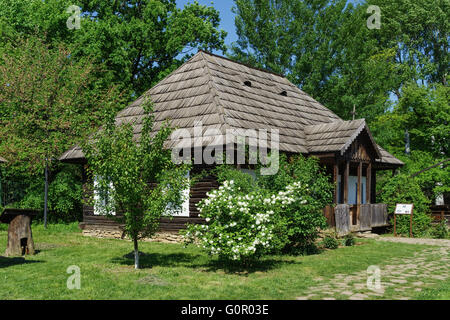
440 212
351 218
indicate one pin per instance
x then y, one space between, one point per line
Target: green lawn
171 271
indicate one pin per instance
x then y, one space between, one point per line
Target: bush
252 216
349 240
303 219
240 227
403 189
330 242
65 194
440 231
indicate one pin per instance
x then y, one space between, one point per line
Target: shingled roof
224 94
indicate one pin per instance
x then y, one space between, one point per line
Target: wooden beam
368 182
373 187
335 179
358 194
346 173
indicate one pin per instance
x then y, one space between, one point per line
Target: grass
171 271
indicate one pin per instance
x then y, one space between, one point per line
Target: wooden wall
198 192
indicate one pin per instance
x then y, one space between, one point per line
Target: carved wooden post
346 173
358 194
368 182
335 179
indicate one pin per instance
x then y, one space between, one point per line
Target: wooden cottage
224 94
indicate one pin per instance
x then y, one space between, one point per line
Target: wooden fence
440 212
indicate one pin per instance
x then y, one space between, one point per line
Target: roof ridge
213 91
243 64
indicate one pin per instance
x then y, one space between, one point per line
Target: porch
352 167
356 218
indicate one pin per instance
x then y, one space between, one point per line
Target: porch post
346 173
335 179
373 187
368 181
358 192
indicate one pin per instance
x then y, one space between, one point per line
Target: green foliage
138 42
140 178
326 48
349 240
249 217
246 182
64 196
330 242
403 189
440 231
303 219
48 102
240 225
425 112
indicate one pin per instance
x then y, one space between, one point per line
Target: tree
48 101
139 41
320 45
326 48
137 179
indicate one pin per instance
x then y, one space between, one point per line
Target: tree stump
20 237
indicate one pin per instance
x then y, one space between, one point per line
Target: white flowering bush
303 189
239 227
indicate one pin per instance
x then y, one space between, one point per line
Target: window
103 201
182 211
248 83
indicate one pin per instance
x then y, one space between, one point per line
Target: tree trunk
136 253
20 237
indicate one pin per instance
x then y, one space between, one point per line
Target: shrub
440 231
252 216
403 189
304 218
330 242
240 227
349 240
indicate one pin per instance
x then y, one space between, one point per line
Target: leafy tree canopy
139 41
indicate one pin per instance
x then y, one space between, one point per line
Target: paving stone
399 281
358 296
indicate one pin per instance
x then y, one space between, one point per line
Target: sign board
407 209
403 208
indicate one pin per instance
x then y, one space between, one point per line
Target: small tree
137 179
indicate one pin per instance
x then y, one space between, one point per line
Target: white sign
403 208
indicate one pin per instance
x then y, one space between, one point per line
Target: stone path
400 279
431 242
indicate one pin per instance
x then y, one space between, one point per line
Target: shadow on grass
233 267
149 260
196 261
6 262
